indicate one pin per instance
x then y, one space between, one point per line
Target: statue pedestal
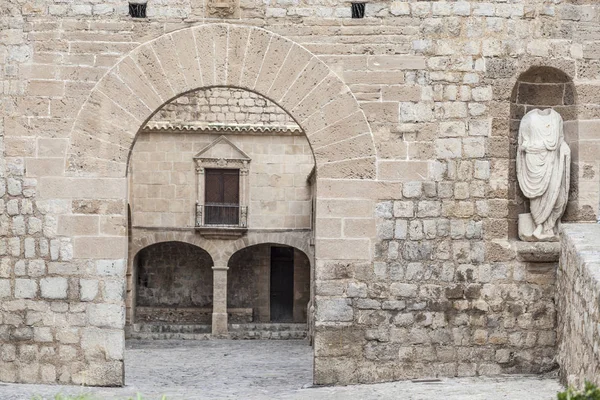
527 228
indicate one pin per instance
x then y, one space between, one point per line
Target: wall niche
543 88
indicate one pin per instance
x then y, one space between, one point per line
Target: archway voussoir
258 46
100 149
236 53
132 76
309 78
342 106
356 147
96 119
327 91
221 33
149 64
353 125
274 58
185 48
204 38
165 50
296 62
112 87
315 123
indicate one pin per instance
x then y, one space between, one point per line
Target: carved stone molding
222 8
222 153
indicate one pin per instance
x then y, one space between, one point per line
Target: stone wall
224 106
416 91
578 291
164 179
439 299
173 275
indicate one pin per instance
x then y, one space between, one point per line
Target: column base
219 325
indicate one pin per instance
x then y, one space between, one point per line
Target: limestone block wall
415 92
174 275
224 106
164 179
578 291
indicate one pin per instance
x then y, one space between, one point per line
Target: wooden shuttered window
222 197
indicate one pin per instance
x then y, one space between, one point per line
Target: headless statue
543 172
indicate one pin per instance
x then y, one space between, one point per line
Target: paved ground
268 370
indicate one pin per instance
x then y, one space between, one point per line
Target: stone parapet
578 304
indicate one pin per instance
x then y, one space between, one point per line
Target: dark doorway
282 284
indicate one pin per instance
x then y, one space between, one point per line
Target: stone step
148 331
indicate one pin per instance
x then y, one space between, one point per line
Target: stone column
219 315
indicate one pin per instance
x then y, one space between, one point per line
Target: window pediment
222 152
217 215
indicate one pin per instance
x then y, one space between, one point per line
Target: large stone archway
252 59
221 55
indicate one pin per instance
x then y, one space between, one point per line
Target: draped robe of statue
543 172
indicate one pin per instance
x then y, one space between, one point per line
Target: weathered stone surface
577 303
412 115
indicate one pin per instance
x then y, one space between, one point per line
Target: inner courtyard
210 170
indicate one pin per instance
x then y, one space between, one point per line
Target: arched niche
542 87
271 280
173 284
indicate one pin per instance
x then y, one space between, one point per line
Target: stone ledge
540 252
224 233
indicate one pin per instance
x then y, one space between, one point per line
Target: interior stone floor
227 369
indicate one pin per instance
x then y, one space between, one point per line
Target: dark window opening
358 10
137 10
222 197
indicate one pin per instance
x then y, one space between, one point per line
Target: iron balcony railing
221 214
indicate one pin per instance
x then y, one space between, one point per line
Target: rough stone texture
164 178
578 291
280 369
224 106
174 275
415 92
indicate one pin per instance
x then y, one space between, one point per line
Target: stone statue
543 171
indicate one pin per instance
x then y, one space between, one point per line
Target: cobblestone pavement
224 369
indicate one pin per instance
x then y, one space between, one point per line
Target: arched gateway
229 56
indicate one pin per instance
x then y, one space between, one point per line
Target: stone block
385 230
36 268
25 288
5 288
429 208
334 310
78 225
106 315
113 290
448 148
412 189
54 288
101 344
88 289
403 290
99 247
404 209
401 230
